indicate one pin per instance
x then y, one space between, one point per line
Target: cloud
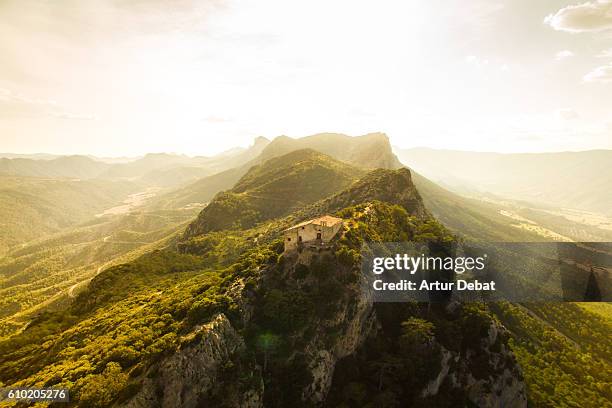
561 55
605 53
600 74
590 16
528 138
7 95
567 114
13 104
217 119
18 105
360 112
474 60
73 116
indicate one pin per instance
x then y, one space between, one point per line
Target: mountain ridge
282 183
203 190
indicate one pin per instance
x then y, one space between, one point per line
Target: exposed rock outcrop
191 374
356 320
502 384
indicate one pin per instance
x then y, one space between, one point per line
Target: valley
134 293
557 224
132 202
532 226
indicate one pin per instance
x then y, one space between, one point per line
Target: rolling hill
154 169
275 188
581 180
31 208
469 217
80 167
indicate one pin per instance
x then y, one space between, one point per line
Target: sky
121 78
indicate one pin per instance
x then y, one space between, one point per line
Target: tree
416 332
267 343
100 390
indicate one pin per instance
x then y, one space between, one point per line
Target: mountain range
189 298
579 180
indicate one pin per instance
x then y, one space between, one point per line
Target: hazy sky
129 77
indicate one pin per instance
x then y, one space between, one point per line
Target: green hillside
47 272
61 167
134 316
33 207
275 188
199 192
561 347
469 217
564 350
367 151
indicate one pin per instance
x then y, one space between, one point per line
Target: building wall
291 239
309 233
330 232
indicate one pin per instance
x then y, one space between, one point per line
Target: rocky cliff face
337 337
218 365
391 186
490 376
372 150
197 373
192 373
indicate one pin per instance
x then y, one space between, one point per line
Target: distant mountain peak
372 150
163 155
260 140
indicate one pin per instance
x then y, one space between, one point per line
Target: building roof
327 219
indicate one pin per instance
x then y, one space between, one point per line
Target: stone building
318 231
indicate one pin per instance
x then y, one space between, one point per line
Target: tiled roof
327 219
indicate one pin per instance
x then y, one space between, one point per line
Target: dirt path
73 287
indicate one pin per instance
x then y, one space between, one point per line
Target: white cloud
605 53
561 55
217 119
73 116
474 60
590 16
600 74
6 95
17 105
567 114
213 78
14 104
